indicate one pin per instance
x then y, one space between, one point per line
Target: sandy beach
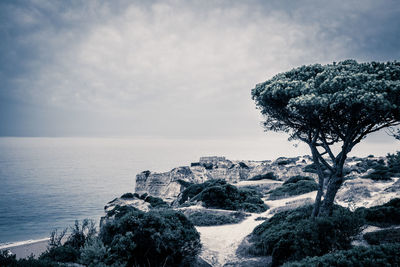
26 248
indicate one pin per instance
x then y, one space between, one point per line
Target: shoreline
24 249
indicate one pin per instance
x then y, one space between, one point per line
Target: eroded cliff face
168 185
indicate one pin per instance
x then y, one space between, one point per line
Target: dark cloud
175 68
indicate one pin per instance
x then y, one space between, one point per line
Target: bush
230 197
295 179
380 173
120 211
393 161
184 183
269 175
383 215
195 189
8 260
94 253
293 189
383 255
311 168
155 238
128 196
156 202
293 235
70 250
208 219
383 236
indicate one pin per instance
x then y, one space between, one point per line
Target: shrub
155 238
268 175
383 255
383 215
200 218
93 253
295 179
156 202
293 189
184 183
120 211
230 197
9 260
293 235
393 161
383 236
380 173
313 169
128 196
195 189
69 251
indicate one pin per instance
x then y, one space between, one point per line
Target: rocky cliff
168 185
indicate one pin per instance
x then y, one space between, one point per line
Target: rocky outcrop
168 185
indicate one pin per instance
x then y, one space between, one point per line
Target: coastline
24 249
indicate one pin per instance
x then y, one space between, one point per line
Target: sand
26 248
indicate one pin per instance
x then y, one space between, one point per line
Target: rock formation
168 185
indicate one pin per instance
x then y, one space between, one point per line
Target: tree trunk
333 186
321 178
320 192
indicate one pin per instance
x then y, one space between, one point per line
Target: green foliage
155 238
333 95
128 196
311 168
383 236
8 260
203 218
195 189
218 194
293 235
70 250
393 161
293 189
119 211
383 255
295 179
93 253
230 197
156 202
383 215
268 175
184 183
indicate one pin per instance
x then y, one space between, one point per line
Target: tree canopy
323 105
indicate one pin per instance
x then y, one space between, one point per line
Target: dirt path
221 242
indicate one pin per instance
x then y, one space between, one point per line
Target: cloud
171 67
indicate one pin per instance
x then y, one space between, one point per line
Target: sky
175 69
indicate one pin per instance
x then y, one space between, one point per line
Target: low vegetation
383 215
268 175
155 238
206 218
383 255
221 195
296 185
293 235
155 202
383 236
381 170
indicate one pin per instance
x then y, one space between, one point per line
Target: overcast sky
180 69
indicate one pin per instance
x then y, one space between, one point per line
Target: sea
48 183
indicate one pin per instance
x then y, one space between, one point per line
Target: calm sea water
47 183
